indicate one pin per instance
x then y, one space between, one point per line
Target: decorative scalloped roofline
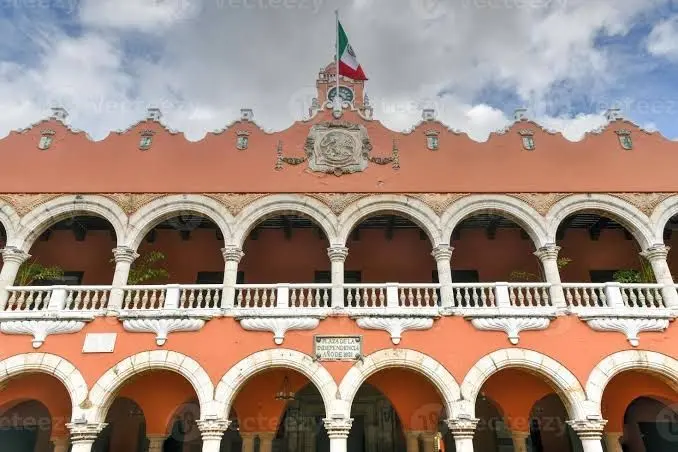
349 107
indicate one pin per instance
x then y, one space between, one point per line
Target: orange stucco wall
564 335
77 165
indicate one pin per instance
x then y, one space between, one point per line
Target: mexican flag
348 62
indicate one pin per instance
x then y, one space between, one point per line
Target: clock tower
351 92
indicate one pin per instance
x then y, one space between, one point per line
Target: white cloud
663 40
212 57
145 15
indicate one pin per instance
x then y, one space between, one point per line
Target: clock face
345 93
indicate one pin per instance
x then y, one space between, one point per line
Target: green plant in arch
148 267
32 271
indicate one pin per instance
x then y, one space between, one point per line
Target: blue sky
474 61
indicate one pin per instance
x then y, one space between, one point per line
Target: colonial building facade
338 286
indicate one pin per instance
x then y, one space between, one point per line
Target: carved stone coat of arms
338 147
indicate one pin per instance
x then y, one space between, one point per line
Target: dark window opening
70 278
602 276
459 276
350 277
217 278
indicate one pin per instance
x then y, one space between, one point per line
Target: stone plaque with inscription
338 348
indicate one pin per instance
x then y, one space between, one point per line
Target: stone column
590 433
337 256
443 254
60 444
124 257
12 258
412 441
232 256
462 430
428 441
212 430
338 430
155 442
613 441
84 435
548 255
247 441
266 441
656 255
520 441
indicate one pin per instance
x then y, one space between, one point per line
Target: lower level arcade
394 409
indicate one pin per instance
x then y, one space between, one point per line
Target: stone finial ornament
59 113
246 114
520 114
613 114
428 114
153 114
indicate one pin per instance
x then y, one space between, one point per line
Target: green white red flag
348 62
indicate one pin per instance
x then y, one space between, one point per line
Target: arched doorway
25 427
650 425
642 412
34 411
376 425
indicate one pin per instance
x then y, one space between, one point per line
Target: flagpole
336 95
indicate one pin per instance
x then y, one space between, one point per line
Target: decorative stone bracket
631 324
41 328
161 326
53 319
279 326
511 321
395 325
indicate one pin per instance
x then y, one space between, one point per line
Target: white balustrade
200 296
418 295
87 298
583 295
255 295
144 297
310 295
529 295
474 295
365 295
28 299
642 296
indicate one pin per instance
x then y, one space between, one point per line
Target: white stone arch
238 375
665 367
507 206
661 216
53 365
432 370
39 219
413 209
555 374
10 221
106 388
158 210
615 208
273 205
